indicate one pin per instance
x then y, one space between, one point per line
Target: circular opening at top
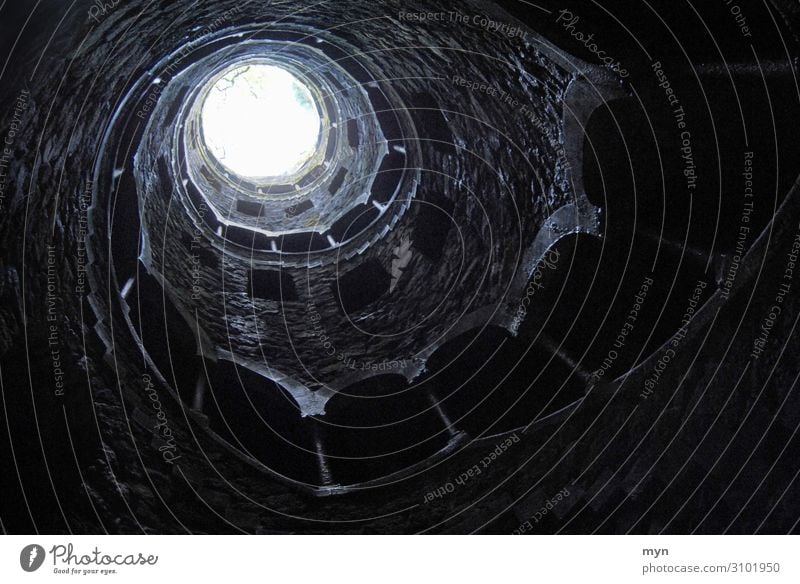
260 121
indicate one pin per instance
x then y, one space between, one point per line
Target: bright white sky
259 121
